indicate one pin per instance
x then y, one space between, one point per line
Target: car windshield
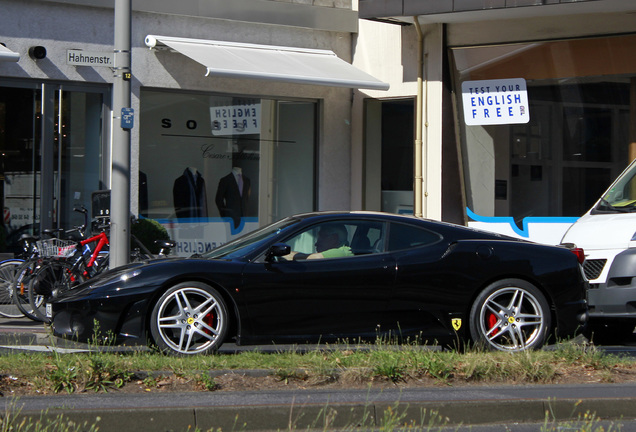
621 197
249 242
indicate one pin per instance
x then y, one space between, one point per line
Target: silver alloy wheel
190 320
512 319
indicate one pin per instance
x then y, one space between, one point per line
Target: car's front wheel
510 315
189 318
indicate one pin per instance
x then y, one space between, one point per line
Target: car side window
366 236
305 242
403 236
336 239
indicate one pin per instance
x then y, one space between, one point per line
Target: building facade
240 112
507 115
528 107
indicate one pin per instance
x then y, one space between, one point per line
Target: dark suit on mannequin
189 195
229 200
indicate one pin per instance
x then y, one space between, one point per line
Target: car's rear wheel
510 315
189 318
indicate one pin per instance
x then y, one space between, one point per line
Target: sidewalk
27 335
20 325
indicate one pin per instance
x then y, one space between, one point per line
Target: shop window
576 140
213 167
587 134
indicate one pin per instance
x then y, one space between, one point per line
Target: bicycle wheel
49 280
8 308
20 288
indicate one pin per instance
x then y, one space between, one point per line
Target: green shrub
147 231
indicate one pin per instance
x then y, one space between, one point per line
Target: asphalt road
506 408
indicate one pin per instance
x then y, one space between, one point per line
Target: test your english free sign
493 102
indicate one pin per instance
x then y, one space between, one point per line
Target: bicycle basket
55 247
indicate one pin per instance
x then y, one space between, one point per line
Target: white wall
389 52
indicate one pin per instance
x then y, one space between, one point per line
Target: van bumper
616 297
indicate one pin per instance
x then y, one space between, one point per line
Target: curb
361 416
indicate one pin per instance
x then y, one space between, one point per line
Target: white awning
7 55
276 63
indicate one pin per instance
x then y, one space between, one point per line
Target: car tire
510 315
189 318
609 331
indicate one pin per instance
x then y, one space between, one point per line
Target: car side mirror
278 250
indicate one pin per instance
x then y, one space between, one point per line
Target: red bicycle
78 263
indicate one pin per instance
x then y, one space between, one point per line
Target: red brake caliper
209 320
491 320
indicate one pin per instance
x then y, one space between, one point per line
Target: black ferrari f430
327 277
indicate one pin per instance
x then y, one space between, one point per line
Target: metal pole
632 119
418 170
120 176
48 192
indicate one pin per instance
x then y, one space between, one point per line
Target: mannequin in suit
189 195
231 199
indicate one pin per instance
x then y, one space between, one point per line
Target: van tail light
580 254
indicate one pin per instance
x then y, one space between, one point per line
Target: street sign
88 58
127 118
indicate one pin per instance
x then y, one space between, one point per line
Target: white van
607 234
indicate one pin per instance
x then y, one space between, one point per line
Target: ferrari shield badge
457 323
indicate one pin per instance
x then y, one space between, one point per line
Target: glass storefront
533 179
213 167
51 155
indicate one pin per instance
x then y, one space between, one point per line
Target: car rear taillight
580 254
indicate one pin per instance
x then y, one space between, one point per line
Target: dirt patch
250 381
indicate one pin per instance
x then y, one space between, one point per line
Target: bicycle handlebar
81 229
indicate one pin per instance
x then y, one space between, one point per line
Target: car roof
334 213
469 231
